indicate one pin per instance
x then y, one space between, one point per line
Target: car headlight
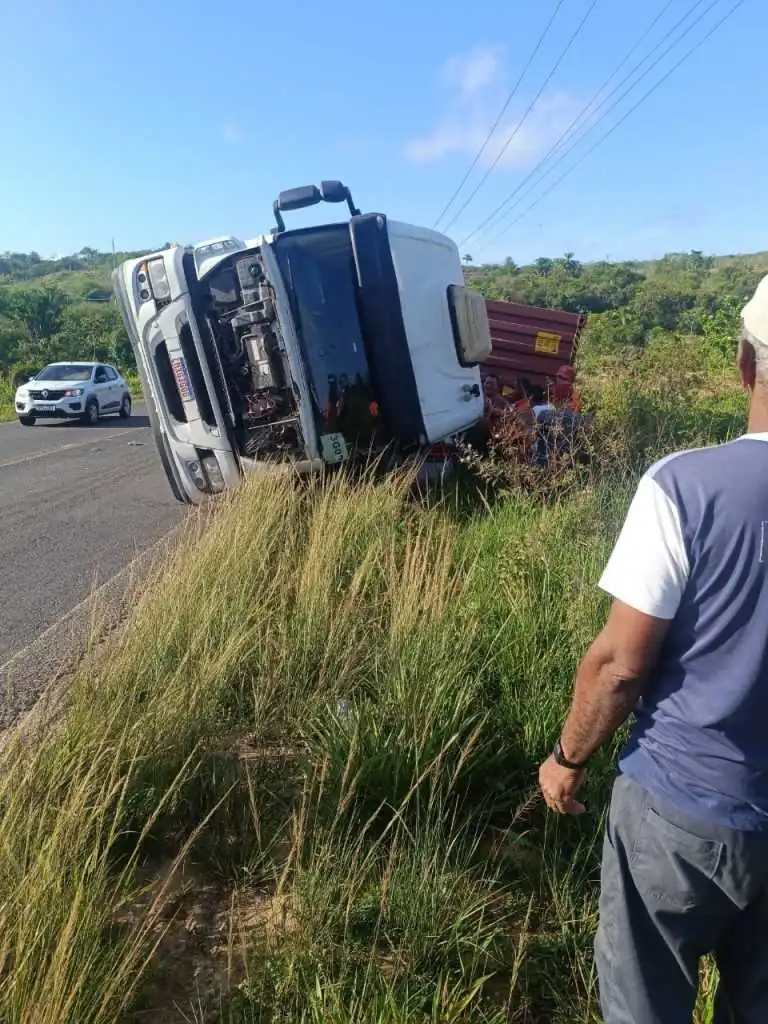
22 395
73 392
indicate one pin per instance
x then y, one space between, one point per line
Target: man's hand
608 683
559 786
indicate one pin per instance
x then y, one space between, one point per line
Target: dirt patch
204 931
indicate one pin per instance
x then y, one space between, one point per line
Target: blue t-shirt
694 550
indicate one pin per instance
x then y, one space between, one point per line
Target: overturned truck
308 347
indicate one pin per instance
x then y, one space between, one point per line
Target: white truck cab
310 347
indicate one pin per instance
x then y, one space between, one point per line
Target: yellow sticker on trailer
548 341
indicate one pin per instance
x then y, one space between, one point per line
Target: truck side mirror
336 192
311 195
295 199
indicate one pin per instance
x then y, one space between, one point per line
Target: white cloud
477 88
232 132
473 72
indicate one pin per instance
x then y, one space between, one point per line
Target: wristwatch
563 761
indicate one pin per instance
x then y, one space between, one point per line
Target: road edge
39 674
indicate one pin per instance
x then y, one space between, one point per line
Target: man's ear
747 365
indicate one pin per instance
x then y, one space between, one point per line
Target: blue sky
175 121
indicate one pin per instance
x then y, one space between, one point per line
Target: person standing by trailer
685 858
563 393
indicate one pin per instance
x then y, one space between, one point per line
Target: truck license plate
45 408
334 447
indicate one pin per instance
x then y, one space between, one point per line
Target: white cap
754 316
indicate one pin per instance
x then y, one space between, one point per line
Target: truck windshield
317 267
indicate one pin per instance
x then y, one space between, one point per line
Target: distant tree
569 264
14 339
467 258
39 308
93 331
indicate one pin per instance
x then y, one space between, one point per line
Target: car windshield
65 371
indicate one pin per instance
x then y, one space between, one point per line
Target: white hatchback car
74 391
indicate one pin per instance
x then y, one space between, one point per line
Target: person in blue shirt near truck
685 646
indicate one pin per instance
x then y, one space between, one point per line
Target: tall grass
353 692
302 785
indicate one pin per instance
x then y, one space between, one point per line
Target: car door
116 388
102 388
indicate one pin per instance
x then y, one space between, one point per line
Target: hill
628 301
60 309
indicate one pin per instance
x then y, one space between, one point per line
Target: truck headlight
153 281
213 472
158 280
195 470
142 278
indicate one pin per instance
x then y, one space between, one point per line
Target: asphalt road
77 504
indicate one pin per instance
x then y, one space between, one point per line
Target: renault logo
45 392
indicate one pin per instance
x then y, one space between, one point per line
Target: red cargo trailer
530 342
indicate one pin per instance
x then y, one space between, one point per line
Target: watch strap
563 761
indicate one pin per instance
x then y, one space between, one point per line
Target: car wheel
125 408
91 414
27 421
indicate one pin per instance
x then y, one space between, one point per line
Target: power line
570 131
621 120
502 112
524 118
569 149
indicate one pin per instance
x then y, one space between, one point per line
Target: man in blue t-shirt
685 858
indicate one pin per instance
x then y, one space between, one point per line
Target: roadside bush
22 372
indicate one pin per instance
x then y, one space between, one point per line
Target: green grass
302 785
7 411
132 378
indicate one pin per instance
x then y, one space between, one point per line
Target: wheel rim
127 405
93 413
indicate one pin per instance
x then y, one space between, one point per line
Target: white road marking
68 447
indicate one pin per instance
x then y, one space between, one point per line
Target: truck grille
46 395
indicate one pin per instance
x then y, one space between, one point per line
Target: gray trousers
673 889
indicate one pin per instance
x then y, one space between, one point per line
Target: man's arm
609 682
610 679
646 576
